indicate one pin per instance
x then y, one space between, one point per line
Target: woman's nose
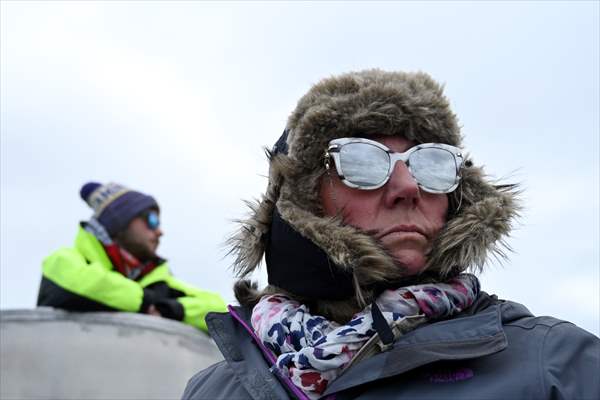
402 187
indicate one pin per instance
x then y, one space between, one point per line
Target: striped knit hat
115 205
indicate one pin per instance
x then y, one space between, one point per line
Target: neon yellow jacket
82 278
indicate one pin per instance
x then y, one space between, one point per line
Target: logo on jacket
449 375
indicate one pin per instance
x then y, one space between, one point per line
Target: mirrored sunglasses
152 219
366 164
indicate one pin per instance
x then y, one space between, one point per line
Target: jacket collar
91 248
247 361
477 332
93 251
468 336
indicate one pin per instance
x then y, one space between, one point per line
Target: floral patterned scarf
313 351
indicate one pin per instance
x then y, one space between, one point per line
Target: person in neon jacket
113 265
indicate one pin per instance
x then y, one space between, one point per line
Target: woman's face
402 217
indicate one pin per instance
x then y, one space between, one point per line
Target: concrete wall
53 354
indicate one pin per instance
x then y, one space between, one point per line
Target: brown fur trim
479 227
246 292
247 244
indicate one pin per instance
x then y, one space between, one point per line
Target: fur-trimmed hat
365 103
115 205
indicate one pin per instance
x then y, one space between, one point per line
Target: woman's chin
413 262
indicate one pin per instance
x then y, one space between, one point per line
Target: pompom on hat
115 205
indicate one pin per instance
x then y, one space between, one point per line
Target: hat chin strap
297 265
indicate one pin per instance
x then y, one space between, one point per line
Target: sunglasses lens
364 164
434 168
152 220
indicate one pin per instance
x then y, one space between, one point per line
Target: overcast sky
177 100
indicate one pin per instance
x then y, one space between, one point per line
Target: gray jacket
495 350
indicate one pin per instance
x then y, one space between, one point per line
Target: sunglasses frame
146 217
335 146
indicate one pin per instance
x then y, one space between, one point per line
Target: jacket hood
364 104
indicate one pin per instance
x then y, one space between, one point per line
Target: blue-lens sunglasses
152 219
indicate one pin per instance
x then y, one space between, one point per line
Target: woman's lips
401 229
